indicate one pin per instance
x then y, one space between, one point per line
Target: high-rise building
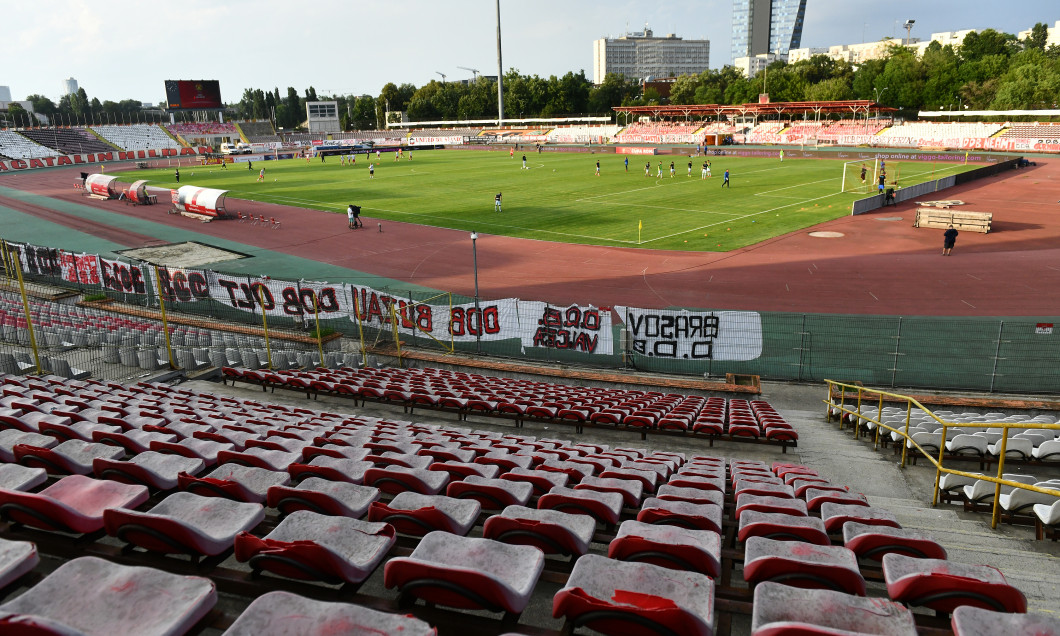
640 54
766 26
69 86
5 93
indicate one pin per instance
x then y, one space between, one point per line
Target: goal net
860 176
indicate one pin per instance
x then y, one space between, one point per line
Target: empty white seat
1015 447
1018 500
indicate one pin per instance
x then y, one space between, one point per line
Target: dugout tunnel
137 193
102 185
196 200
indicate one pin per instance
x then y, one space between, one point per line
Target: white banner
492 320
453 140
123 277
80 268
693 335
574 328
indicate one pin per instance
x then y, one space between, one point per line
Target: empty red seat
874 541
551 531
332 468
336 498
783 609
158 471
782 527
122 600
802 565
681 513
945 585
315 547
605 507
492 494
282 614
397 479
835 515
968 620
618 598
416 514
668 546
16 559
75 503
72 457
234 481
467 573
185 523
631 490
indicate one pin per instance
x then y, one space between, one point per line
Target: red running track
881 264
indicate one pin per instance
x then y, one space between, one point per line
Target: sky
126 49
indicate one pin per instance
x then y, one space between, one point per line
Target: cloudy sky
122 49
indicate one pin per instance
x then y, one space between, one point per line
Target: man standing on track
176 173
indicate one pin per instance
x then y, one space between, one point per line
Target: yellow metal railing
839 393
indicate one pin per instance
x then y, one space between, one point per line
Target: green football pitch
559 197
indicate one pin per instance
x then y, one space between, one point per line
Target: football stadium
768 367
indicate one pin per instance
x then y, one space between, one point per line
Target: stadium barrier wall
64 161
980 354
875 202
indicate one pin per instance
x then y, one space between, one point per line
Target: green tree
613 91
1038 37
942 80
683 90
19 116
833 89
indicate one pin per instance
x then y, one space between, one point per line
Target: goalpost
852 181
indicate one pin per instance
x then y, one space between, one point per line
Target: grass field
559 198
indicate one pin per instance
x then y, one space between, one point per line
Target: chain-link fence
105 317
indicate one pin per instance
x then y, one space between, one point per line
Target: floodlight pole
500 72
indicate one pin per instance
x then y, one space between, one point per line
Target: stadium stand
446 132
137 137
581 134
658 132
526 400
193 129
1034 130
67 140
15 146
937 133
767 133
666 553
258 132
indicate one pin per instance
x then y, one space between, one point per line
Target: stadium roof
755 109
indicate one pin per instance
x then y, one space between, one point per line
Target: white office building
69 86
640 54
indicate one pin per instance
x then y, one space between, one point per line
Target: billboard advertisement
193 94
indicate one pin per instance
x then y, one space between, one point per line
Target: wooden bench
961 220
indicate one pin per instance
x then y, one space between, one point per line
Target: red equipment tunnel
102 185
137 192
206 201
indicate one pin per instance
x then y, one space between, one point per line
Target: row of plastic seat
433 388
490 568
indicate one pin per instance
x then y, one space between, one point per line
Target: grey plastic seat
283 614
780 607
124 600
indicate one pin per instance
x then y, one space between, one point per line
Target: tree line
988 70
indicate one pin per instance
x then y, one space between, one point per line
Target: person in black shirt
949 237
